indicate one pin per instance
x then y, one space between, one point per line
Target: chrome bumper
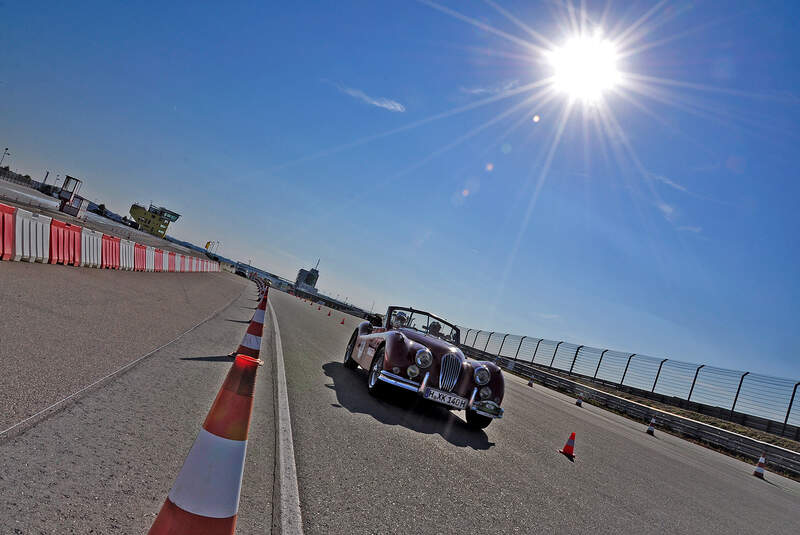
396 380
490 409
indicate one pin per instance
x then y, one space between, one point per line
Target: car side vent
449 371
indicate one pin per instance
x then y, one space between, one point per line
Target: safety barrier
91 248
158 260
139 256
31 237
6 232
110 252
125 254
26 236
65 243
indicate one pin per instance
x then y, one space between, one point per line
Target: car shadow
403 408
237 321
218 358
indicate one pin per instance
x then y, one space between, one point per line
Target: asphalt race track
105 463
367 466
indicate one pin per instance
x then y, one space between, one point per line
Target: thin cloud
491 90
668 182
380 102
667 210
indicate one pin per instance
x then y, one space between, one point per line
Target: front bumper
490 409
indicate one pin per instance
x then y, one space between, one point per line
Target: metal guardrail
732 393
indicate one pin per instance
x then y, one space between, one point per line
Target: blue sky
662 223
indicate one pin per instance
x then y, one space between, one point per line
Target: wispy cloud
667 210
668 182
492 89
380 102
696 230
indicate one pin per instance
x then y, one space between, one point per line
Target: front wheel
477 421
349 362
375 386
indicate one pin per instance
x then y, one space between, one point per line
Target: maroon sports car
417 351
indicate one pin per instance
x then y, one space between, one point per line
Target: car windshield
425 323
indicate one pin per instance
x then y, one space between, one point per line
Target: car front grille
449 371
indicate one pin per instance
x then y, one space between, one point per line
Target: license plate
445 398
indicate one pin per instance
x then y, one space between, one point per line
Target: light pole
5 153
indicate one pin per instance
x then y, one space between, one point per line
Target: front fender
399 351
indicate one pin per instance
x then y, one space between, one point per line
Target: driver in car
435 329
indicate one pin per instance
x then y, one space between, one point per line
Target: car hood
436 345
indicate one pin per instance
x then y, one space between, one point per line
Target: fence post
501 345
487 341
791 402
626 369
536 349
554 354
598 364
657 374
476 338
520 347
736 398
466 336
574 359
694 381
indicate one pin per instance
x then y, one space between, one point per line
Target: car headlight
424 358
485 392
482 375
412 371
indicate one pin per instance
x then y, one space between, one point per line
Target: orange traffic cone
759 471
579 401
319 308
569 448
651 430
251 342
329 313
530 381
341 322
205 496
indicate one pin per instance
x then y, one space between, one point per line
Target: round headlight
412 371
424 358
485 392
482 375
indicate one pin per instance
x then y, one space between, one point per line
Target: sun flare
585 67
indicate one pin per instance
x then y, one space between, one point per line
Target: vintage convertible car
417 351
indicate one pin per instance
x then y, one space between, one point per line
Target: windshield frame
412 311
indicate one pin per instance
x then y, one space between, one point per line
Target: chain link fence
730 392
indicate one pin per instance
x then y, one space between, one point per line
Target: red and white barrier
31 236
65 243
110 252
126 255
25 236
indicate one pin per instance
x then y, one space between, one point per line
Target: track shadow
237 321
401 408
219 358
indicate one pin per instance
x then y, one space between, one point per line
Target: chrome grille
449 371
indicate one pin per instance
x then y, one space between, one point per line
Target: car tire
477 421
349 362
375 386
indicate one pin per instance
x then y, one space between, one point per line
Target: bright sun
585 67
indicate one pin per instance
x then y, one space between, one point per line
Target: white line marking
291 517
